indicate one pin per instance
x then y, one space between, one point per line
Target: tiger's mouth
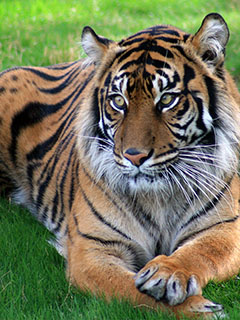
140 177
146 183
149 170
148 176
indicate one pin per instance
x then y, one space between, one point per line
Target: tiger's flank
130 158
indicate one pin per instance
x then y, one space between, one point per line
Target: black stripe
182 111
108 80
146 59
100 217
62 66
124 42
132 62
130 42
125 55
212 98
166 53
42 148
200 123
59 225
44 75
140 216
174 150
163 74
44 215
153 31
103 241
159 64
189 74
96 131
163 163
183 127
72 191
95 113
39 151
181 242
50 168
138 260
167 39
53 67
30 169
144 218
181 51
138 257
185 37
146 46
209 206
30 115
167 31
57 198
177 135
71 77
61 187
176 79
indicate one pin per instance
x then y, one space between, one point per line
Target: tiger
129 156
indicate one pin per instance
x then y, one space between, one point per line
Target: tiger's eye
166 99
118 101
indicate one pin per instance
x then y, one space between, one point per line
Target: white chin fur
103 165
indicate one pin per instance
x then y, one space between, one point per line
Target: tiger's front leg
215 255
103 269
105 275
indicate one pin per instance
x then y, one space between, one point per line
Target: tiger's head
161 112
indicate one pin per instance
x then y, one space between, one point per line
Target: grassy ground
40 32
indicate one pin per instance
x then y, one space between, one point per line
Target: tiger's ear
211 39
94 46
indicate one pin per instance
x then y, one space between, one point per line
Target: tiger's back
38 157
130 158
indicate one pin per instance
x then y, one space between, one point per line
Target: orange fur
140 210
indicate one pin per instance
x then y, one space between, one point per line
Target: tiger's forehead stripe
147 46
155 47
154 32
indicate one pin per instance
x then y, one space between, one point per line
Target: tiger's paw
162 278
197 307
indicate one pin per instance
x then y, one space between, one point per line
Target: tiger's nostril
136 157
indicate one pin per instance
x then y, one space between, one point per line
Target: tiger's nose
136 157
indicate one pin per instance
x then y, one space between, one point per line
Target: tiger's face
151 114
158 100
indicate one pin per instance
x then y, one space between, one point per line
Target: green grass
45 32
40 32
